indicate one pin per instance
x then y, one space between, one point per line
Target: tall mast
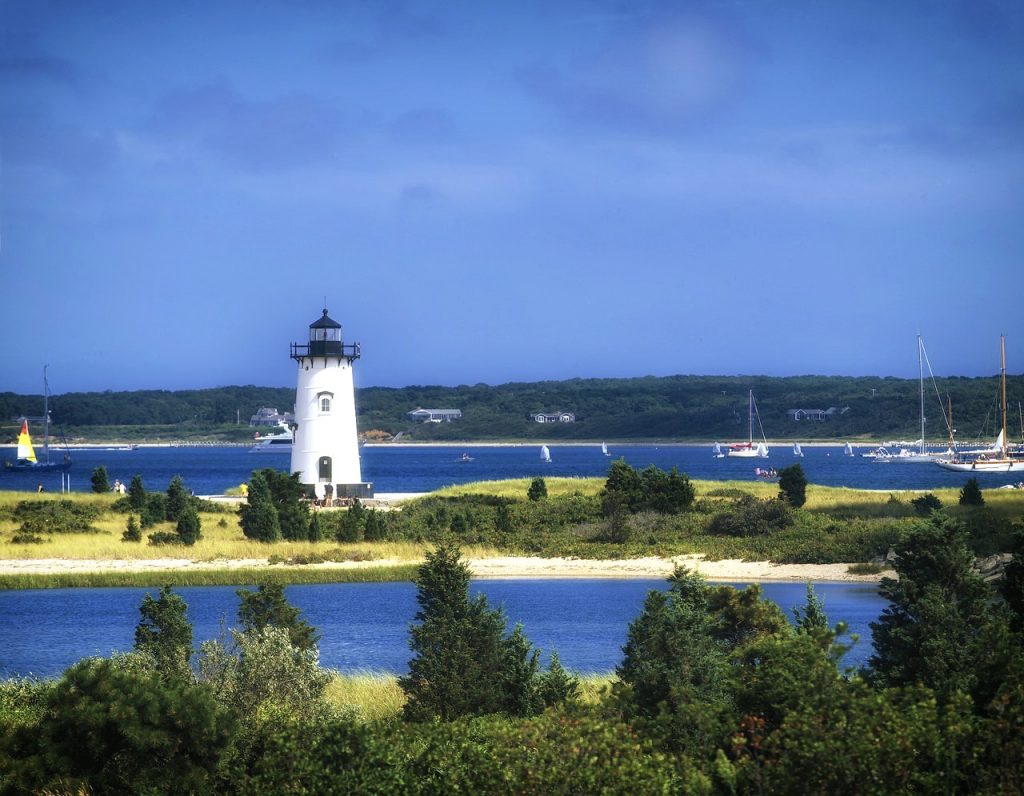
750 417
949 404
920 377
46 415
1002 377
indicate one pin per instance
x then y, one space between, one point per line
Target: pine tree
375 527
268 607
189 527
137 494
939 608
793 485
132 532
464 665
165 634
177 498
316 527
538 489
99 480
971 495
257 515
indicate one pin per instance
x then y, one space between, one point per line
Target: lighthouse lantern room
325 448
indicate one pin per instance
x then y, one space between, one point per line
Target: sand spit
490 568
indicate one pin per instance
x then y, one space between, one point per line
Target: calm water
364 626
211 470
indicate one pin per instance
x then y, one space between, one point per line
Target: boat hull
991 466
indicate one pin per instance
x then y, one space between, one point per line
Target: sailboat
604 449
26 458
797 450
716 451
748 450
545 454
1001 462
848 449
922 454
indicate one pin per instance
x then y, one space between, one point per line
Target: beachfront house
556 417
816 414
434 415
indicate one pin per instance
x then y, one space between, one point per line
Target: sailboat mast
46 415
750 418
920 376
949 405
1002 377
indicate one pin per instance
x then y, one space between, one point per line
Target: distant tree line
672 407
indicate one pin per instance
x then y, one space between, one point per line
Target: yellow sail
26 453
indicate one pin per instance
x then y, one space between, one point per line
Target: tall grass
375 696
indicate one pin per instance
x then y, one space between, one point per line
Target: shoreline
498 568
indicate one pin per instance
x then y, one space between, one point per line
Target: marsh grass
375 696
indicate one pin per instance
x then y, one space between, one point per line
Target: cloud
661 73
294 130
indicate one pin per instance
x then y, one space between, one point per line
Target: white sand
500 567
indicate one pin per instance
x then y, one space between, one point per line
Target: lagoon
364 626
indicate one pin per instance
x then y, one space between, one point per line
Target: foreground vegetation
715 694
629 514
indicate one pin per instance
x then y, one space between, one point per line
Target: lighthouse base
363 491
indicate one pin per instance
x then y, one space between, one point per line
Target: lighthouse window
325 404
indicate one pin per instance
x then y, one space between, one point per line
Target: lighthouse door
324 469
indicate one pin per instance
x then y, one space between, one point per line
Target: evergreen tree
189 527
165 634
132 532
257 515
812 616
289 499
464 664
503 519
99 480
538 489
137 494
793 485
177 499
931 631
556 685
622 489
971 495
375 528
350 530
268 607
316 527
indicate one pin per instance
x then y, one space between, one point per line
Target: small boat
545 454
848 449
26 458
1001 462
275 443
604 449
465 458
747 449
767 474
716 451
797 450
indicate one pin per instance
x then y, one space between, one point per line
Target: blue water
364 626
211 470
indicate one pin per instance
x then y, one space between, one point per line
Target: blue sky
509 191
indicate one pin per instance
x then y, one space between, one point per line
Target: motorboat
273 443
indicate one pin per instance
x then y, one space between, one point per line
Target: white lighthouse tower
325 451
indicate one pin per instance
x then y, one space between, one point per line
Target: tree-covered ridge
670 407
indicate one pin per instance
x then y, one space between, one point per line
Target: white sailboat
747 450
1001 462
545 454
797 450
848 449
716 451
921 454
604 449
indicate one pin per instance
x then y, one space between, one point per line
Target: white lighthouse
325 451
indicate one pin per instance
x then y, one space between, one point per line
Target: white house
434 415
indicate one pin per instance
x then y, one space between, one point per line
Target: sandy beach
490 568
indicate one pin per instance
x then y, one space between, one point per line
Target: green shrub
538 489
99 480
971 495
189 528
132 531
752 517
793 485
926 504
55 516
